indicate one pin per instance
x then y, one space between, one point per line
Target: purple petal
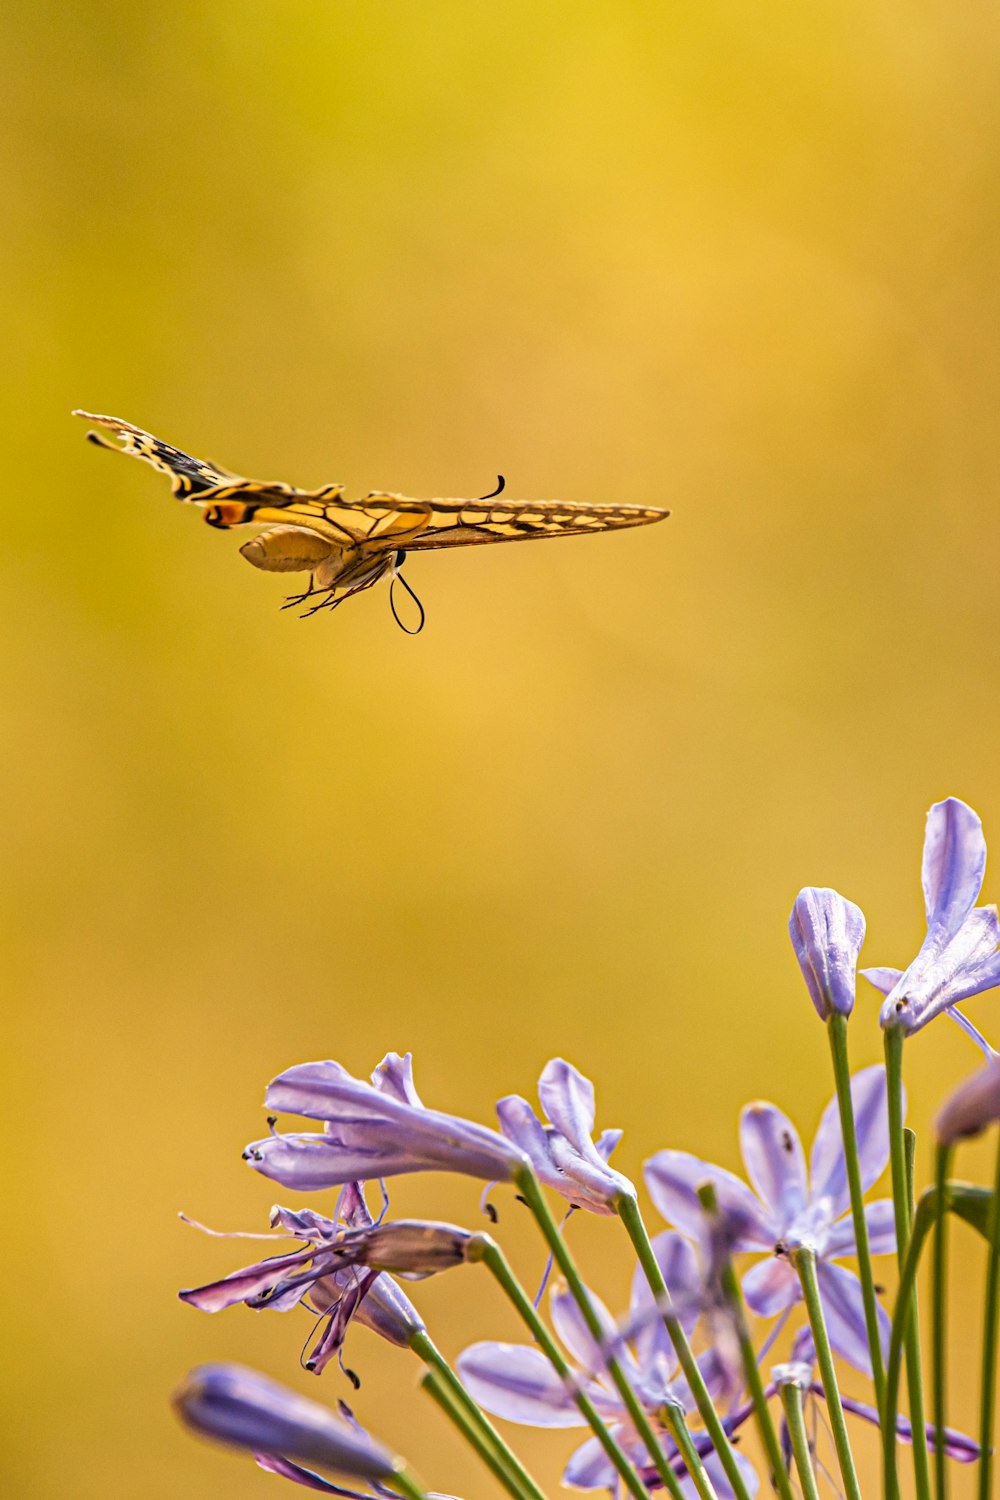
672 1178
678 1265
972 1031
964 1450
770 1286
247 1410
589 1467
881 1222
973 1106
568 1101
884 980
773 1157
953 866
586 1181
827 1168
517 1382
250 1282
298 1475
388 1312
844 1311
606 1142
717 1474
569 1324
827 932
394 1076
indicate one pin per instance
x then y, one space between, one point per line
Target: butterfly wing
470 523
188 476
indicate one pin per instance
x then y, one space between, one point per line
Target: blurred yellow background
738 261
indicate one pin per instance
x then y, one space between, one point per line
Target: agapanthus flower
563 1152
973 1106
339 1269
372 1130
958 958
827 932
790 1207
516 1381
245 1409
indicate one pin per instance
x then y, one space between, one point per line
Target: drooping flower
372 1130
958 957
973 1106
245 1409
827 932
563 1152
339 1269
790 1207
516 1381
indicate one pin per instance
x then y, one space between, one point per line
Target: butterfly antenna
398 578
500 484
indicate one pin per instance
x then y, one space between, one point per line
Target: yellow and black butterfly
346 546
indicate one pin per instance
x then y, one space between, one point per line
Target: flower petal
517 1382
775 1163
953 866
568 1101
770 1286
884 980
569 1324
827 1168
678 1264
881 1221
827 932
844 1311
717 1474
589 1467
394 1076
672 1178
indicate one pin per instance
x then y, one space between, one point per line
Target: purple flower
973 1106
240 1407
562 1151
517 1382
791 1207
337 1268
372 1130
958 957
827 932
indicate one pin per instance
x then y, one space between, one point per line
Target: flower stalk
730 1288
907 1311
487 1251
792 1402
939 1303
672 1416
804 1261
451 1396
628 1210
991 1312
837 1033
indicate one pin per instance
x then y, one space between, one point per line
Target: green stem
922 1222
901 1197
518 1481
751 1373
407 1484
440 1392
528 1187
671 1414
942 1165
631 1218
791 1400
990 1309
804 1261
837 1033
485 1249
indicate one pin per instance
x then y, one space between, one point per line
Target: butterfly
347 546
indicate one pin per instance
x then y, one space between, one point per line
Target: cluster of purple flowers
630 1379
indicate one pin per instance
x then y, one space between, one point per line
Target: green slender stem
751 1373
486 1250
922 1222
517 1480
837 1033
791 1400
631 1218
531 1192
990 1310
942 1166
902 1199
671 1414
407 1484
440 1392
804 1261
